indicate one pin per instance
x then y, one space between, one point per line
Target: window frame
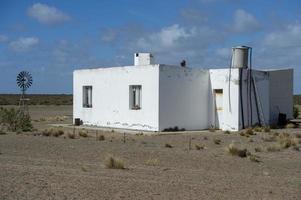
87 97
135 102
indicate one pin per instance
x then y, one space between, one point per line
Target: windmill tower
24 81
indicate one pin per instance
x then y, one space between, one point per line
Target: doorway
218 97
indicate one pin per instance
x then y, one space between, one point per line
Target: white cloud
3 38
166 37
245 22
47 14
289 37
23 44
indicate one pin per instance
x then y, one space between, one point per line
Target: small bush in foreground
285 140
266 129
114 163
227 132
295 112
257 129
2 132
101 137
199 147
254 158
249 131
217 141
52 132
168 145
273 148
83 133
258 149
71 135
152 162
235 151
15 119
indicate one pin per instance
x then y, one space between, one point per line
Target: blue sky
52 38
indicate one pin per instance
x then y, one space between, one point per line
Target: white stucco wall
261 79
110 97
183 98
281 93
219 79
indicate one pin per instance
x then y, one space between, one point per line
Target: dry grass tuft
71 135
254 158
291 125
266 129
258 129
227 132
52 132
2 132
205 138
168 145
285 140
273 148
235 151
249 131
217 141
101 137
152 162
258 149
199 147
83 133
269 138
114 163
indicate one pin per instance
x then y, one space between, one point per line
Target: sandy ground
39 167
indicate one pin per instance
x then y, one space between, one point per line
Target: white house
157 97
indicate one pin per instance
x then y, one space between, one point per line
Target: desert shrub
52 132
266 129
71 135
298 135
217 141
249 131
199 147
15 119
257 129
101 137
295 112
258 149
236 151
2 132
114 163
168 145
57 133
152 162
285 140
269 138
227 132
205 138
273 148
46 133
254 158
83 133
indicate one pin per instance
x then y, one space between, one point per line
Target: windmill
24 81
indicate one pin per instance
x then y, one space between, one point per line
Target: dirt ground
33 166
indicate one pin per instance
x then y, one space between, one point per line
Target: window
87 96
135 97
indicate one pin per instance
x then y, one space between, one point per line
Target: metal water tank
240 57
